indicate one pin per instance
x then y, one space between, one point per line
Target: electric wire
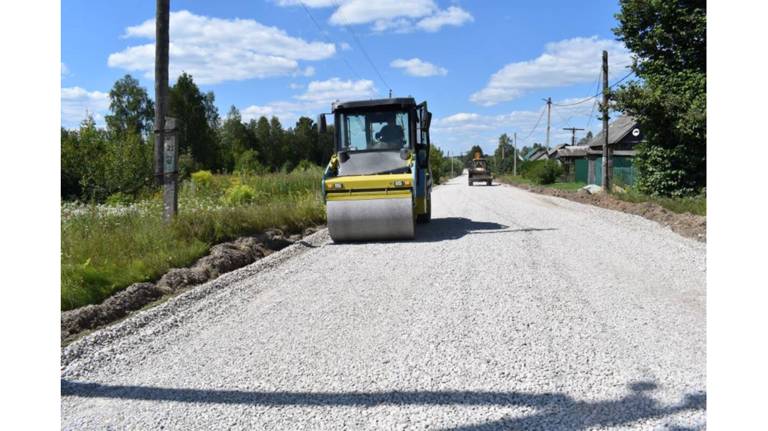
322 34
597 93
595 103
535 126
362 49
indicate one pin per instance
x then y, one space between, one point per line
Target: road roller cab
378 183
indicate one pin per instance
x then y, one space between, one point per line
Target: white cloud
418 67
455 16
214 50
77 102
563 63
315 99
309 3
64 70
345 46
337 89
366 11
389 15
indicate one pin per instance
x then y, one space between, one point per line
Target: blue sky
483 66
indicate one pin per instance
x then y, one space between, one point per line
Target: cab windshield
478 164
374 131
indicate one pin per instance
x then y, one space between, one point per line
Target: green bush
287 167
248 163
542 171
187 165
305 165
667 171
239 194
119 198
202 178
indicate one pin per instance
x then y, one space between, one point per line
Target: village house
584 163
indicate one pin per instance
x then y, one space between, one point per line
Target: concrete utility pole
451 160
573 133
161 82
607 152
166 148
549 117
514 154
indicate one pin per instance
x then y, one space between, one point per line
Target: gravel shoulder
511 310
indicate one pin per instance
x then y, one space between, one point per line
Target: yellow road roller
378 184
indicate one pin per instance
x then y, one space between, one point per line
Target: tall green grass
696 205
519 180
105 249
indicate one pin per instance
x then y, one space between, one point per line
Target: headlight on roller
338 186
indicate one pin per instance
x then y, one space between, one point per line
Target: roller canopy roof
394 103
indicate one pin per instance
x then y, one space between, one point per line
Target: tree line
97 163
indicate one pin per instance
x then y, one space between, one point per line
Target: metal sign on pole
171 171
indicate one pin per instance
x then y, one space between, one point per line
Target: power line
622 79
568 120
322 34
597 93
362 48
534 127
594 104
591 115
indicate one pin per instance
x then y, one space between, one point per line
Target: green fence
623 171
581 171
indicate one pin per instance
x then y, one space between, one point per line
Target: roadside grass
518 180
105 249
572 187
514 180
696 205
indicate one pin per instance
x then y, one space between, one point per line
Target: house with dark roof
624 134
537 154
569 156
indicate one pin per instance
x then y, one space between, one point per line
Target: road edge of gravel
687 225
168 310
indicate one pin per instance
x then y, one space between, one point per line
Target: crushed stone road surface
511 310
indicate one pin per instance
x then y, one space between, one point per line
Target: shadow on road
554 410
441 229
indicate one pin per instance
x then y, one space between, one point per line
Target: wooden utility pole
514 154
549 117
607 152
161 82
573 133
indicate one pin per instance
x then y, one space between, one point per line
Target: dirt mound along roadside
222 258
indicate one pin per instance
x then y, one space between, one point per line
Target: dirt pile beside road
221 259
687 225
